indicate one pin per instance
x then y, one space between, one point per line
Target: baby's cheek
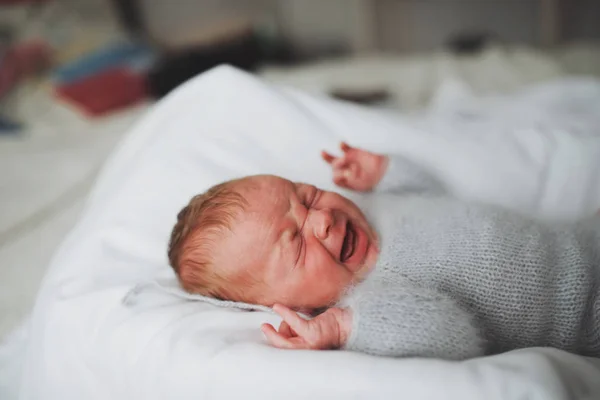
335 276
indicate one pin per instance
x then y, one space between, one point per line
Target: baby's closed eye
299 246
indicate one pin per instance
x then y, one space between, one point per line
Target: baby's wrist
345 325
383 167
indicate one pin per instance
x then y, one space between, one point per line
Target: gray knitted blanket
457 280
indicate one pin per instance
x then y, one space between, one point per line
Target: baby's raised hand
356 169
329 330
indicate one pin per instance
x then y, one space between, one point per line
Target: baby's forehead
266 190
267 200
252 232
266 182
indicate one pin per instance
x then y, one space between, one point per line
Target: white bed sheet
85 343
47 171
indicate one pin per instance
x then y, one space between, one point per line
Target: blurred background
76 74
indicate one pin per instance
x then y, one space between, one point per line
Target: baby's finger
345 147
297 323
339 179
285 330
275 339
349 172
340 163
327 157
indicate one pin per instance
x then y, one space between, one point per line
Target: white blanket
47 171
537 152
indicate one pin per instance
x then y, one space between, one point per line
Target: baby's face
303 245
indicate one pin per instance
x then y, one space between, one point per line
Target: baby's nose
324 221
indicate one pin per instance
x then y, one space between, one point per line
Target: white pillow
86 343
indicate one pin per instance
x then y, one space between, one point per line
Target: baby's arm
404 176
363 171
409 321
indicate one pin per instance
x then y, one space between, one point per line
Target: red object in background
21 61
107 91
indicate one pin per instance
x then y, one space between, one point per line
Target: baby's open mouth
349 243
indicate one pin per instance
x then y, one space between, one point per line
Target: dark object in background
178 66
470 43
130 16
6 37
373 96
8 126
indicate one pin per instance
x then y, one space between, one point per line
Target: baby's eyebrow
297 199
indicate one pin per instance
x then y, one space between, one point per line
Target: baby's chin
362 273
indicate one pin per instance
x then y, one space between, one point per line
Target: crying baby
438 277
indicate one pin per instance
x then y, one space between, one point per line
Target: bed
110 321
49 170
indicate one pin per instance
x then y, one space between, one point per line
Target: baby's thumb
286 330
338 176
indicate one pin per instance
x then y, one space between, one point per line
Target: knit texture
403 319
455 280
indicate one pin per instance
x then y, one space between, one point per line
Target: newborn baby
425 275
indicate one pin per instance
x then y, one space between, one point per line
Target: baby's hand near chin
356 169
329 330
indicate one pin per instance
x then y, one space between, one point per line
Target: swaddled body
455 280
